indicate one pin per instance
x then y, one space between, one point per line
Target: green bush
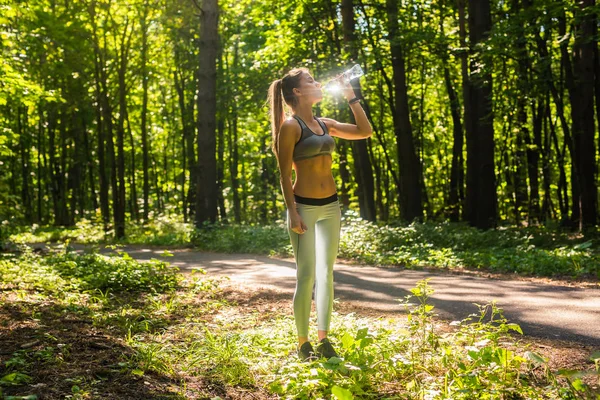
65 271
527 251
270 239
118 273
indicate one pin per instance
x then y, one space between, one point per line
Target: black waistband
316 202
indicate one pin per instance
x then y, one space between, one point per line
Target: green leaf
579 385
515 327
341 394
571 373
347 341
15 378
534 357
595 356
583 246
362 333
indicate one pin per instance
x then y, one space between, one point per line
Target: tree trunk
533 156
24 145
220 167
89 162
582 106
547 209
362 164
119 205
99 76
468 210
144 126
575 115
455 197
597 88
40 174
411 206
135 212
481 182
206 191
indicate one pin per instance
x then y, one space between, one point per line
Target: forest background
116 112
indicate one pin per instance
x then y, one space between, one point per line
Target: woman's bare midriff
314 178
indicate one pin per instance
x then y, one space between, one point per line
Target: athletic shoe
325 349
306 352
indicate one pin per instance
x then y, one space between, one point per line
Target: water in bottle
335 85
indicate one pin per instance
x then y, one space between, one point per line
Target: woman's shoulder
290 128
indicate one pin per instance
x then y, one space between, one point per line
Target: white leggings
315 252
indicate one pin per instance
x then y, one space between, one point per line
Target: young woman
304 143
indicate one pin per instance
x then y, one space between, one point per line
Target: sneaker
306 352
325 349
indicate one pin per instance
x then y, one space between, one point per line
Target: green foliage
64 271
161 230
120 274
532 251
270 239
191 331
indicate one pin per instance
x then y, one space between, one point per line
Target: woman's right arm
287 140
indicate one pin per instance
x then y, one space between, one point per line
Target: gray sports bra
312 145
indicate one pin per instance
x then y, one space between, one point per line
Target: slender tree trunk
144 125
24 145
234 165
99 75
547 208
411 206
90 167
481 187
562 192
206 191
232 130
597 88
135 212
187 115
455 197
575 116
40 174
533 156
468 209
220 167
362 165
119 205
522 201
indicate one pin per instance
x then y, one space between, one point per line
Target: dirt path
543 310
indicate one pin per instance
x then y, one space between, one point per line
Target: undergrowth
535 251
185 329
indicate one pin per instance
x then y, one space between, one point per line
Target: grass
91 326
533 251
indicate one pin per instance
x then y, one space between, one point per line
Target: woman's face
309 89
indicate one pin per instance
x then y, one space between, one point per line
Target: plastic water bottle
335 85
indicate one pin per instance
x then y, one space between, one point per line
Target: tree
411 206
206 191
481 200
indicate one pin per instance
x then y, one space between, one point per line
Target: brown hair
280 91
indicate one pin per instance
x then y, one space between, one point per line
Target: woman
304 143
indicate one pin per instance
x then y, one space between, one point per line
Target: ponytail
277 114
281 92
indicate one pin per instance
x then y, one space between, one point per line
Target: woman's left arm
362 129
